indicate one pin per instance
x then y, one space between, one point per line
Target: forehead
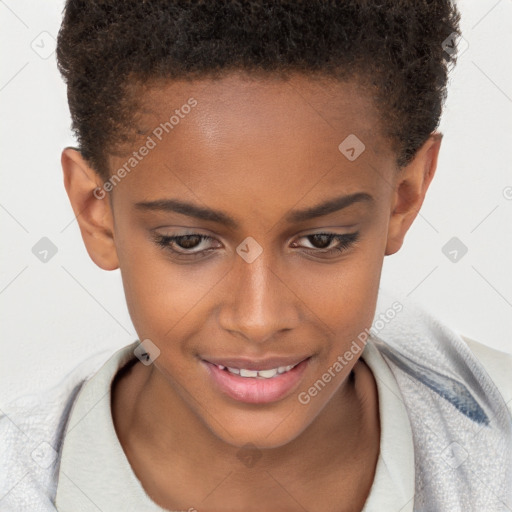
266 105
263 136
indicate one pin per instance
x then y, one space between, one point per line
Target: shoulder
32 427
418 335
497 364
31 430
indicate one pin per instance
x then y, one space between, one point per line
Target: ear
92 208
410 188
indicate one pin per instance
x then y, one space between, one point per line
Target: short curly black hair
400 51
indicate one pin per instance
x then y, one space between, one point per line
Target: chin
261 430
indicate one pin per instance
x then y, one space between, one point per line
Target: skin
255 149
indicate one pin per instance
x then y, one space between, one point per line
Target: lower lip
253 390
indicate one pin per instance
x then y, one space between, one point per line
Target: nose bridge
260 304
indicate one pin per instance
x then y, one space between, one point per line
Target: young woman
247 166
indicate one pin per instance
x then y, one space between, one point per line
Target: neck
159 433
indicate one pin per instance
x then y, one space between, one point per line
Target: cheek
162 296
149 284
344 294
363 299
350 311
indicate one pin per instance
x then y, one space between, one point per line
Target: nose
260 301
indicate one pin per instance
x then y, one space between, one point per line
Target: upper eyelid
205 236
354 235
189 231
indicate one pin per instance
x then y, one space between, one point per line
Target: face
248 238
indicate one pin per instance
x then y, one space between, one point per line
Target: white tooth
234 370
248 373
281 369
221 367
289 367
267 374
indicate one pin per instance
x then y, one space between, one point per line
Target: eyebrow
220 217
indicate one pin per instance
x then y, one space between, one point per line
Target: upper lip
256 364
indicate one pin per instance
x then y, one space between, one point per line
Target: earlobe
410 189
91 208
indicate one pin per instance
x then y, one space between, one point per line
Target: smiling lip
252 389
255 364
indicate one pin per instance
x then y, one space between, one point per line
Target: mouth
255 385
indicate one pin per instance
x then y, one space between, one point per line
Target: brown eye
190 245
188 241
184 244
324 240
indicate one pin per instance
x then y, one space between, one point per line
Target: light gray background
55 314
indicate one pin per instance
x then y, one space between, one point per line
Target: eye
189 245
344 242
184 244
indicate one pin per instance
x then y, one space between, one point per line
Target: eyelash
346 241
